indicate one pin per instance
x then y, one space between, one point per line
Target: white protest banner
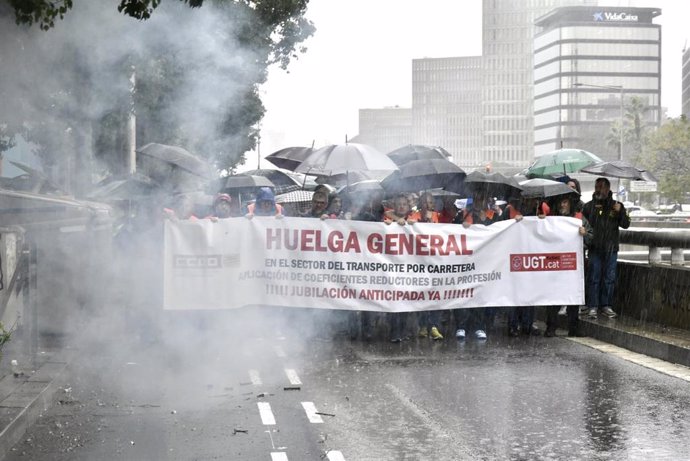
337 264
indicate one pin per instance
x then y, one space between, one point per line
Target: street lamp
622 115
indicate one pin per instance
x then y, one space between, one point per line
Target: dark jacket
605 222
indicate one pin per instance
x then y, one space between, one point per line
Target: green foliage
667 155
268 32
5 335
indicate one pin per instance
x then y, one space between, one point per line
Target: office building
446 106
385 129
594 68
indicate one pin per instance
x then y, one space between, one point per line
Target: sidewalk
24 398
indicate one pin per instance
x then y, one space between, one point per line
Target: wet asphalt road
223 392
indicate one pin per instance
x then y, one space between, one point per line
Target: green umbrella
562 161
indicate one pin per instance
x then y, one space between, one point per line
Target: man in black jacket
606 216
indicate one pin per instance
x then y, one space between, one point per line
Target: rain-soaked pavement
242 391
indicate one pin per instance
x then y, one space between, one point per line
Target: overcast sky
361 57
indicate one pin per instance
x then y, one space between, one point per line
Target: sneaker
396 340
592 314
550 332
435 334
423 332
460 333
563 310
480 334
608 312
513 332
584 310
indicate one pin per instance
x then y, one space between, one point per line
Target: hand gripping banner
337 264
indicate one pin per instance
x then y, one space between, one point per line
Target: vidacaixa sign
608 16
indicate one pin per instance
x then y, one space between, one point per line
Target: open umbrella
343 158
369 186
411 152
425 174
562 161
296 202
178 157
541 188
289 158
282 181
620 169
243 181
495 183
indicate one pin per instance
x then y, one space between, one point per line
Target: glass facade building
594 67
508 28
446 106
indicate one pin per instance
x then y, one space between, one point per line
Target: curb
657 348
25 404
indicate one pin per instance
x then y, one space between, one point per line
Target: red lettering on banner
389 244
530 262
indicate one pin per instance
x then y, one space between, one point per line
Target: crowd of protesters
602 217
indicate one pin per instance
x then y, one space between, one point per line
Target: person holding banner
264 205
606 216
319 204
479 212
402 214
566 205
521 318
429 321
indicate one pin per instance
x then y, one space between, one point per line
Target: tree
196 87
667 155
45 12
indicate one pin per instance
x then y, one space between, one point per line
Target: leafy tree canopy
668 157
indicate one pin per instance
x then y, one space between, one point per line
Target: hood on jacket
265 194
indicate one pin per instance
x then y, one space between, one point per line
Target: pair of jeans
552 318
429 319
470 319
601 279
522 316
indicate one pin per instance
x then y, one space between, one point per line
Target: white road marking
310 409
292 376
255 377
335 455
279 456
266 414
671 369
279 352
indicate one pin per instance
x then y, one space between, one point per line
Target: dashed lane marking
335 455
279 351
267 417
310 409
671 369
292 376
279 456
255 377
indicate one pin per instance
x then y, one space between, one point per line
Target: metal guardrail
677 240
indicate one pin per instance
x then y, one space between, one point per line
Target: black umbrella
369 186
542 188
420 175
289 158
243 181
620 169
282 181
413 152
495 183
178 157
